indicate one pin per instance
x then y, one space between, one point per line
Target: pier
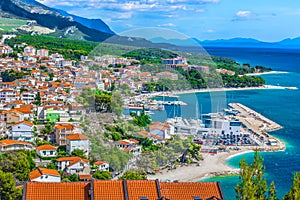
258 125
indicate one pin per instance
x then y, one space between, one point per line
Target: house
130 146
44 175
145 134
46 151
61 131
118 189
14 145
85 177
164 130
5 49
7 95
42 52
73 165
101 165
78 141
29 51
22 131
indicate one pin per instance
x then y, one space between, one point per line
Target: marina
238 126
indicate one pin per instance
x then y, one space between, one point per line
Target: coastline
212 165
266 73
264 87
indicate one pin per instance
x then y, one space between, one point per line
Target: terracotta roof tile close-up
109 190
57 191
142 188
186 190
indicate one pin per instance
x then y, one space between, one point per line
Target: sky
265 20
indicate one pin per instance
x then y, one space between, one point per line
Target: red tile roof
145 188
46 147
12 142
108 190
73 160
64 126
77 137
24 122
42 171
186 190
85 176
116 190
100 162
57 191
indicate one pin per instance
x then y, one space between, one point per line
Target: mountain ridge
233 42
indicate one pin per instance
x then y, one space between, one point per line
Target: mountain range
76 27
234 42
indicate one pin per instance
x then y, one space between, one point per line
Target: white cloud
210 31
168 25
244 13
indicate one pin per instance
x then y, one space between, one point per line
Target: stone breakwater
259 126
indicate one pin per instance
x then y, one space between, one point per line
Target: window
44 152
51 152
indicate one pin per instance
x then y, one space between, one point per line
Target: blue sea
280 105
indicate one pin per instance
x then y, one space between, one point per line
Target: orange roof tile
186 190
85 176
24 122
12 142
77 136
144 188
42 171
46 147
109 190
57 191
64 126
72 160
100 162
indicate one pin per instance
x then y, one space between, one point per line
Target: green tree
253 185
8 190
70 177
294 193
78 152
19 163
38 99
117 103
272 194
142 120
102 175
131 175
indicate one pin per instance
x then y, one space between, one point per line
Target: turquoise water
281 106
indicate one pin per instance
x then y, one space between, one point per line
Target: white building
7 95
101 165
22 131
46 151
14 145
72 165
164 130
42 52
29 50
78 141
223 127
27 97
44 175
130 146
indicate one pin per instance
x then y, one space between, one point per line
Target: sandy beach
265 73
212 165
231 89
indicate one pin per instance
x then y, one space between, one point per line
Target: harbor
234 128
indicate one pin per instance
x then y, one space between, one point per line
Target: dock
258 125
